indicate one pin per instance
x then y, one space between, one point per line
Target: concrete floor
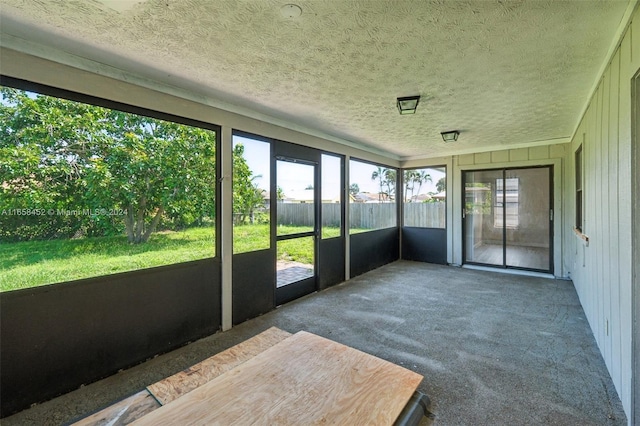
495 349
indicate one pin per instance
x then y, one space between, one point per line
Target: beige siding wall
602 269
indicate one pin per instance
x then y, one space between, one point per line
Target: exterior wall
547 155
602 268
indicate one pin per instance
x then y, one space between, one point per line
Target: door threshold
511 271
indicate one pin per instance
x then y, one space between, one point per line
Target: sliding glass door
508 218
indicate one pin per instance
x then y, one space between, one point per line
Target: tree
150 167
390 179
354 189
45 144
441 185
58 154
386 177
409 184
378 174
247 197
421 178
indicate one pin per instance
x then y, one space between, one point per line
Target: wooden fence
425 215
365 215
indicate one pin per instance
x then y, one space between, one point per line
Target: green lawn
35 263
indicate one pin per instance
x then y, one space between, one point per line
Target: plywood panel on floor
123 412
305 379
193 377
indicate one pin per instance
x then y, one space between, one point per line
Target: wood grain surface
193 377
122 412
303 380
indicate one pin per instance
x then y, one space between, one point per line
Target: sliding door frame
551 195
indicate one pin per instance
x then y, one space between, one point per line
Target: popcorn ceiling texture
502 72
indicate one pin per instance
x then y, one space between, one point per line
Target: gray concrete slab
495 349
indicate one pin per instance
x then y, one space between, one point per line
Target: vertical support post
347 204
450 191
456 192
400 207
226 228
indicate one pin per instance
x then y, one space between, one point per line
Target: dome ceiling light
291 11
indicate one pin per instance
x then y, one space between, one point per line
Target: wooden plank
193 377
305 379
122 412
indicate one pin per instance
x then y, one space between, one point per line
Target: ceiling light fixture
450 136
408 105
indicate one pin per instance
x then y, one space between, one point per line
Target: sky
294 177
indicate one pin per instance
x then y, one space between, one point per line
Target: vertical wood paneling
591 258
604 281
624 208
605 236
596 191
614 228
589 210
635 43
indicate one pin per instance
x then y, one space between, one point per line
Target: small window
579 196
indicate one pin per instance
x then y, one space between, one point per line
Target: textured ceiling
502 72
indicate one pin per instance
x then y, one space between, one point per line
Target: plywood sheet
305 379
122 412
193 377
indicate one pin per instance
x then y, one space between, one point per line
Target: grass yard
36 263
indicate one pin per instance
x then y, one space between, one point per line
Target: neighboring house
421 198
440 196
369 197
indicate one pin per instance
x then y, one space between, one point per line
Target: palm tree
422 177
379 175
409 184
390 179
